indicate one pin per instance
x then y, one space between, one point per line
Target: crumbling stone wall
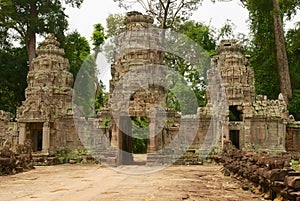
293 138
15 161
45 117
8 130
259 123
270 175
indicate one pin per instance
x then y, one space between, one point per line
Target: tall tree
281 55
98 38
270 60
293 49
114 23
26 18
166 12
14 68
77 49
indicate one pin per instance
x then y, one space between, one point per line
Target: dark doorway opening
36 134
235 114
234 136
134 143
126 141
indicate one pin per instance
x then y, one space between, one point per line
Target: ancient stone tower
253 122
136 87
45 115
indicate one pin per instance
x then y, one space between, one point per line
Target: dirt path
93 182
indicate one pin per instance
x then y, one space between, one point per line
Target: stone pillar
225 132
115 133
22 133
46 137
152 132
247 144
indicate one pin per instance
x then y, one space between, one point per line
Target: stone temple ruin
251 122
45 117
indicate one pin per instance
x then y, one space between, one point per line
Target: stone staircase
42 159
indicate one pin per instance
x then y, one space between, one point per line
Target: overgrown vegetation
78 156
139 135
295 165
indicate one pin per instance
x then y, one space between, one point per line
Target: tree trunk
30 38
30 46
282 60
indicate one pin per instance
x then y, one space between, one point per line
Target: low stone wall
271 175
293 138
12 162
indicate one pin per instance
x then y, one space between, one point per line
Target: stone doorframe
24 127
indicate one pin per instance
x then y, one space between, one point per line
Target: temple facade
252 122
233 111
45 117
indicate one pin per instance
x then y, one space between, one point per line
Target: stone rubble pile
271 175
17 161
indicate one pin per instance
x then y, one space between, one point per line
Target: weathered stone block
293 182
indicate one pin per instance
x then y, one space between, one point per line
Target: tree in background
166 12
114 23
194 75
293 50
26 18
203 35
13 75
269 58
77 49
98 38
281 55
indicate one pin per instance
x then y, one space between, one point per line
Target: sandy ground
95 182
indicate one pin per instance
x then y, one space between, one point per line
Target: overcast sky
216 14
96 11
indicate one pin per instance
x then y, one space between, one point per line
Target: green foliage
101 97
263 51
25 18
289 7
74 3
193 73
85 87
77 50
295 165
98 37
139 135
114 23
65 155
13 74
294 106
200 33
293 50
28 17
226 30
165 12
182 98
106 122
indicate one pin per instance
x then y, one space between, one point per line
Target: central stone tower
136 89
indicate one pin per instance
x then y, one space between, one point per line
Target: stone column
152 132
46 138
115 133
22 133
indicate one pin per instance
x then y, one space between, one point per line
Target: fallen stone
293 182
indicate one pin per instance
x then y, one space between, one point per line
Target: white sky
215 14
